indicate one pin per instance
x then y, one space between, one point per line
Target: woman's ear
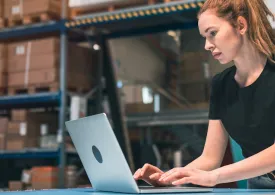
242 25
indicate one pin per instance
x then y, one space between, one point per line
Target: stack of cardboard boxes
26 128
2 19
43 177
35 64
3 132
132 96
3 67
17 10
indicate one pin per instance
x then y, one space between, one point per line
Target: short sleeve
214 104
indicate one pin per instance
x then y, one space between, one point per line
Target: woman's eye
213 33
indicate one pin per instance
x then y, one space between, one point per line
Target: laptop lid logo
97 154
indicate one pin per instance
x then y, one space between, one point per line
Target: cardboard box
44 178
3 51
45 53
43 123
4 125
22 115
46 77
2 141
19 115
42 6
18 8
29 128
15 185
36 62
3 80
3 65
17 142
132 93
1 8
36 47
44 64
13 8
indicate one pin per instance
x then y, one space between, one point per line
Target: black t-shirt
247 113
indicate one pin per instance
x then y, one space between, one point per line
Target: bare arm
258 164
214 149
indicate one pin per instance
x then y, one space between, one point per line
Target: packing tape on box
27 65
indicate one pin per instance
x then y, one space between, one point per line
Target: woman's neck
249 63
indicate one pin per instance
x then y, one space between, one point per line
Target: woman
242 102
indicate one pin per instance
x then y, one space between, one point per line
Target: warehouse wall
136 61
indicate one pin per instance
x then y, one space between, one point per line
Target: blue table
92 192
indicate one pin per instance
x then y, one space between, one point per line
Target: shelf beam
145 11
191 117
33 29
32 153
30 100
152 29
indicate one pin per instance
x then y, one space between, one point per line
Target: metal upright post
99 94
63 103
117 114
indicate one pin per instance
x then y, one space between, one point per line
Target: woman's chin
223 61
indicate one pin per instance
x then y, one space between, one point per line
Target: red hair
256 13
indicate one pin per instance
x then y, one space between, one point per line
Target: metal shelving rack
141 20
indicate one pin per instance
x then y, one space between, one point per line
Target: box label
44 129
15 9
26 177
20 50
23 129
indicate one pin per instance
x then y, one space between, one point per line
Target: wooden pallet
76 11
3 91
32 89
31 19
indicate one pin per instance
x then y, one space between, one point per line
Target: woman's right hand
150 174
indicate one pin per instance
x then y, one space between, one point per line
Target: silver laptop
103 159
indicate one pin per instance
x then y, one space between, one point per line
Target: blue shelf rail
146 11
138 17
33 153
32 29
30 100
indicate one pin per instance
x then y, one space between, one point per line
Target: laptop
104 161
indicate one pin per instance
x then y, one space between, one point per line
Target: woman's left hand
185 175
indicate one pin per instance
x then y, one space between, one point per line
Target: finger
155 176
136 171
144 169
167 173
182 181
172 177
137 174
